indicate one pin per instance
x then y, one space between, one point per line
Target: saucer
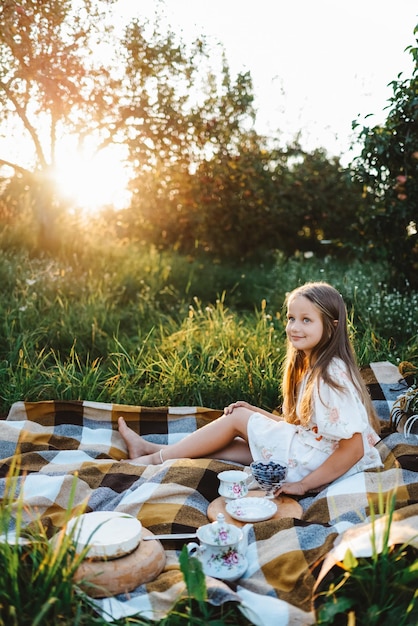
251 509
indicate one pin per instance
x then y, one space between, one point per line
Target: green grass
36 577
377 590
133 325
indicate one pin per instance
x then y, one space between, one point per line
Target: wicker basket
404 413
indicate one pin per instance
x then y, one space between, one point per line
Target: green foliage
380 590
324 202
388 169
36 573
194 609
193 575
247 201
134 325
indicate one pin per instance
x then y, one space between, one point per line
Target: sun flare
92 181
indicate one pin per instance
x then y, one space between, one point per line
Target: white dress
336 415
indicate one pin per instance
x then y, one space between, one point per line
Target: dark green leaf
194 577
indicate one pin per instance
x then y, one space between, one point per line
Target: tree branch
17 168
22 114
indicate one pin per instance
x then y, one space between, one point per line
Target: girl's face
304 327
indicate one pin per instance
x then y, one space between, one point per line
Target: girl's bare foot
149 459
137 446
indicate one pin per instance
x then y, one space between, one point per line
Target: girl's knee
240 416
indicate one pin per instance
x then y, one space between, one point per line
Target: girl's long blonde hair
334 343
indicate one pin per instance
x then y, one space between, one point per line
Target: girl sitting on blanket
328 428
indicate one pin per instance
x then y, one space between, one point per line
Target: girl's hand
292 489
235 405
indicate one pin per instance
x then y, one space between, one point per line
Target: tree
65 71
201 173
169 206
248 200
47 88
325 203
388 169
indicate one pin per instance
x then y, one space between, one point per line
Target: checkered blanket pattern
57 443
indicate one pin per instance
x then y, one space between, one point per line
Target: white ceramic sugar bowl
222 549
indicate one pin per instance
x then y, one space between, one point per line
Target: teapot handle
192 548
244 541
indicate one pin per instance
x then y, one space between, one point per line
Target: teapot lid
219 532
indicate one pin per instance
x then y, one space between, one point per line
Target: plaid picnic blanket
57 443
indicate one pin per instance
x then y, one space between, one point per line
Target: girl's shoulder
337 367
339 375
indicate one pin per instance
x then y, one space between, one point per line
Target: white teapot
222 549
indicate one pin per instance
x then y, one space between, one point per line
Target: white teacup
234 484
222 549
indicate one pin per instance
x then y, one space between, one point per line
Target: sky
316 64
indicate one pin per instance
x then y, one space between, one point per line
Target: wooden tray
286 507
102 579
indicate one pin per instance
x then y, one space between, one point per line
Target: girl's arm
348 453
